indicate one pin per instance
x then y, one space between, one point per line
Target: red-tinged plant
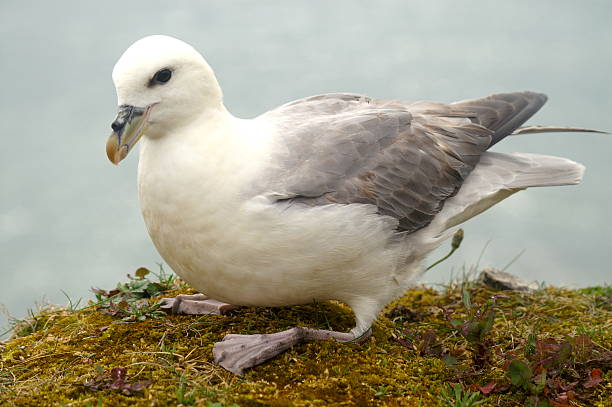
426 344
492 386
475 327
557 372
549 371
116 380
594 379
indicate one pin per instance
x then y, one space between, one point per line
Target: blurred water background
69 220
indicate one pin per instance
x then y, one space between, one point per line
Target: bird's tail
499 175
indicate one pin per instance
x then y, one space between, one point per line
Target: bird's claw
237 353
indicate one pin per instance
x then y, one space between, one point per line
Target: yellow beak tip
113 152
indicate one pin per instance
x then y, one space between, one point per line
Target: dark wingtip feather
503 113
534 101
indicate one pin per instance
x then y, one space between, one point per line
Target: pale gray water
69 220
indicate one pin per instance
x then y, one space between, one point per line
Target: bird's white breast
246 250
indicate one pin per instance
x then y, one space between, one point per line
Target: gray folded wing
404 158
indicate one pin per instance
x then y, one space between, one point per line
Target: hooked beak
128 127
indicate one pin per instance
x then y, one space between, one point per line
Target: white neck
214 157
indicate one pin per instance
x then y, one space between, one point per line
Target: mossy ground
61 349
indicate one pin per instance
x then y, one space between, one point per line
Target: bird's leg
196 304
239 352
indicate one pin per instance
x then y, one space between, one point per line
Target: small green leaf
382 391
530 347
465 295
565 352
487 323
540 382
456 323
449 360
472 331
153 289
458 391
520 373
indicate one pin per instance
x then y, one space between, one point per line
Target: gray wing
406 159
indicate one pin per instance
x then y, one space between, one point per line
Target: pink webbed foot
237 353
196 304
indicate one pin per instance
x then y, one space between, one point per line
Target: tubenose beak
128 127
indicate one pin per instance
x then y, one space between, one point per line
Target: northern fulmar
331 197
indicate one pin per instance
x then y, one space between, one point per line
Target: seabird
331 197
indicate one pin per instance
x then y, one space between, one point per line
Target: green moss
49 364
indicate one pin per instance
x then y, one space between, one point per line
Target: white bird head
162 83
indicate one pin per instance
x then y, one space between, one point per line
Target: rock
500 280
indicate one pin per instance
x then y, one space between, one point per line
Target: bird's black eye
162 76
